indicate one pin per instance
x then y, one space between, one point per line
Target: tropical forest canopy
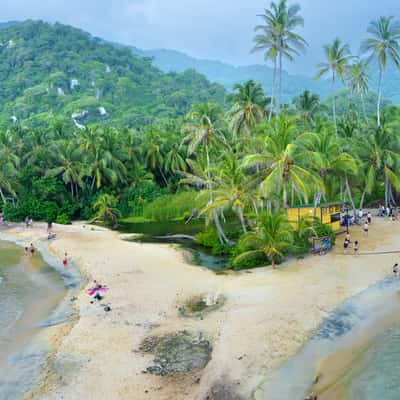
175 146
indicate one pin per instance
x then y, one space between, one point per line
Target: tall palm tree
273 236
359 81
384 45
9 163
232 189
249 106
68 164
283 163
278 38
337 58
203 129
307 105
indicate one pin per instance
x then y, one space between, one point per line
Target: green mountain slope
228 75
50 72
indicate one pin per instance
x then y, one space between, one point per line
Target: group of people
389 211
29 250
347 244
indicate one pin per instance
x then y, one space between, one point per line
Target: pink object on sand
91 292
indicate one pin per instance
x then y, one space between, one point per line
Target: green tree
337 59
106 208
249 106
307 105
273 236
384 45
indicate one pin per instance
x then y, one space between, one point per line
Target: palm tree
68 165
232 189
272 238
384 44
203 129
307 105
359 81
278 39
283 162
380 151
337 58
106 208
9 163
174 160
249 106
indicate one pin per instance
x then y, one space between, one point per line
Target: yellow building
328 213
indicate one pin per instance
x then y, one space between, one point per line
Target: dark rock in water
177 353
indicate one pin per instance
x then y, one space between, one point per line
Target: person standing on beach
356 247
27 222
32 249
396 270
346 244
366 227
369 217
65 260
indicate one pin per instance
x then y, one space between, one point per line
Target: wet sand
29 293
266 318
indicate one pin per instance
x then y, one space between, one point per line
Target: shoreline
266 318
62 317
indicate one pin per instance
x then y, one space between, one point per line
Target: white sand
267 317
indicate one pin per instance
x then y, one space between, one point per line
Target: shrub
172 206
63 219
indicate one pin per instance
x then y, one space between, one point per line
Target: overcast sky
215 29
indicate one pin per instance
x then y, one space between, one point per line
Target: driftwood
187 237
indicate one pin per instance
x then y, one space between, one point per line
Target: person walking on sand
346 244
32 249
356 247
366 227
396 270
65 260
369 217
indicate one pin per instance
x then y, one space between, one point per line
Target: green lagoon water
30 291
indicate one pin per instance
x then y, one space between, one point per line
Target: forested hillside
56 72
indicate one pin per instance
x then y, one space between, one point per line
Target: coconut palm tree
106 208
380 150
283 163
359 81
249 106
273 236
278 40
203 129
68 164
9 163
232 189
337 58
384 45
307 105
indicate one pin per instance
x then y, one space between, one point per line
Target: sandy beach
266 317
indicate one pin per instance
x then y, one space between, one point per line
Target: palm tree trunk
72 189
163 176
392 199
280 83
272 91
284 196
3 198
362 198
363 108
292 197
221 235
334 104
386 191
350 195
378 106
242 221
